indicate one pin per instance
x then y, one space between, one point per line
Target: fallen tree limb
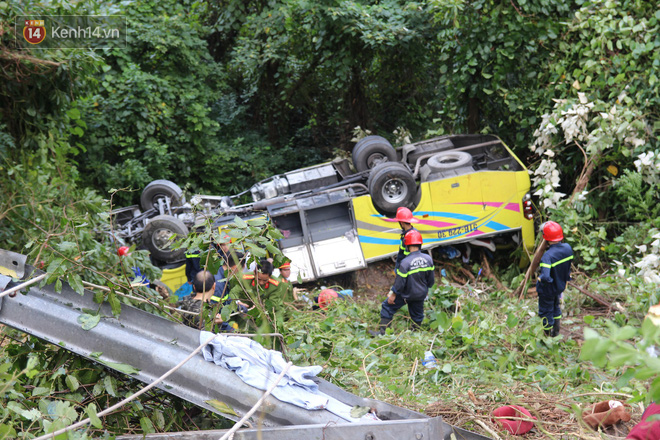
489 273
520 290
15 56
486 428
459 269
599 299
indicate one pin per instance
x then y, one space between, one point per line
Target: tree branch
13 56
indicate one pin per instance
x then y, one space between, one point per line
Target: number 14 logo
34 31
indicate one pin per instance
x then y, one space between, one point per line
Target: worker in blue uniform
414 277
555 272
405 218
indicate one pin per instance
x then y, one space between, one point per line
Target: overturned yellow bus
462 188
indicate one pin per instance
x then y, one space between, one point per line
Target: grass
490 351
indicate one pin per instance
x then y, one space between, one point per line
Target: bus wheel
448 160
160 234
391 186
159 189
371 151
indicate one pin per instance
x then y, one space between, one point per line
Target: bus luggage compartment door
287 218
334 244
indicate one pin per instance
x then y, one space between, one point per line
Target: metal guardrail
414 429
154 345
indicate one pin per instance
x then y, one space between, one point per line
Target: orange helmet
404 215
413 237
326 297
552 231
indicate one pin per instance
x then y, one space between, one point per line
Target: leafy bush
629 350
46 388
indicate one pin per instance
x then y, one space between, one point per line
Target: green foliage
609 46
315 68
497 337
65 231
624 348
481 46
151 117
46 388
641 199
37 100
235 91
255 238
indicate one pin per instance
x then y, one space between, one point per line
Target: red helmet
326 297
552 231
516 427
404 215
413 237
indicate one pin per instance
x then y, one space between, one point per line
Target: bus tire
391 185
159 235
159 189
371 151
449 160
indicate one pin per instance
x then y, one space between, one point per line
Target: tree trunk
474 106
583 180
356 100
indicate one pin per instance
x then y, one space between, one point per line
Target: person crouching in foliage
206 315
261 286
414 278
555 273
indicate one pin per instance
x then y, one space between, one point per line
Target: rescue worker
193 258
414 278
260 286
193 265
203 288
554 274
285 284
405 218
225 278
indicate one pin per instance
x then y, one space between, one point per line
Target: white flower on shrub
649 265
648 165
594 132
544 134
546 178
359 133
403 136
621 271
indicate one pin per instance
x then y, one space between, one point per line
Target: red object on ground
647 430
123 250
326 297
605 413
516 427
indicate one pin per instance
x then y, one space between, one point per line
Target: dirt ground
367 284
473 413
373 282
